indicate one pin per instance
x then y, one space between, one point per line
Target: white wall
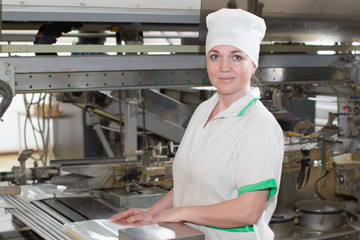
12 128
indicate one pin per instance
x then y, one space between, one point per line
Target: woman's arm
143 216
245 210
165 203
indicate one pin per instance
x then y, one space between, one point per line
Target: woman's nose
224 65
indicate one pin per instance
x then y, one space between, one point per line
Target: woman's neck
226 100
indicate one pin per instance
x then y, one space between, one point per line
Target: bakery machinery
125 104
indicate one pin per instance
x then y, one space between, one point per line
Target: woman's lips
226 78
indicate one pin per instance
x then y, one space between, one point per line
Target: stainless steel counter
161 232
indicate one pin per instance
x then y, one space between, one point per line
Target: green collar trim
248 228
242 112
270 183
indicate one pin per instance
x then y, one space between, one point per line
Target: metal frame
90 81
102 72
98 14
131 129
99 132
141 49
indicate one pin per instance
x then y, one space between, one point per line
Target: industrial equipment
126 103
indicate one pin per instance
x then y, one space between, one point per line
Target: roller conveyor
42 220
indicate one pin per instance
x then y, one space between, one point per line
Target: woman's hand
168 215
137 217
133 217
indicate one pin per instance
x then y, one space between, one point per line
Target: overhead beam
86 48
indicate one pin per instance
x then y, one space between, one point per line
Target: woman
228 165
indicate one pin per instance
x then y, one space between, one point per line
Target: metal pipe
91 161
31 224
45 221
52 221
52 213
41 216
36 219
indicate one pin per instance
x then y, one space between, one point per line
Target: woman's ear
254 69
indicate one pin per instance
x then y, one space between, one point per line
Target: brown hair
254 82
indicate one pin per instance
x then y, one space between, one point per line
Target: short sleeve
259 157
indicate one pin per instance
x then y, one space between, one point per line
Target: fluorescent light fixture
329 52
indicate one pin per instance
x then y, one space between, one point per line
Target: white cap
237 28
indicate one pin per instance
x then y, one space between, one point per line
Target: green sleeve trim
270 183
248 228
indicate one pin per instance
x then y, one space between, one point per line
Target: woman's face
230 70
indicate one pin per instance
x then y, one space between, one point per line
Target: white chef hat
237 28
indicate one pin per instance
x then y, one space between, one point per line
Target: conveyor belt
42 220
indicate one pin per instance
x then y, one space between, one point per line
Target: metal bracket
7 74
131 128
355 73
100 133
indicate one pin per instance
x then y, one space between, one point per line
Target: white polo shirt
239 150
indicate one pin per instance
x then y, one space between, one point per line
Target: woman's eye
214 57
237 57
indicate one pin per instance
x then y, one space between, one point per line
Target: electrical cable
316 185
323 160
323 163
39 121
47 140
28 118
120 123
7 94
43 125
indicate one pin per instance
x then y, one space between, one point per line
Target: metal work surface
161 232
88 207
343 232
65 210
